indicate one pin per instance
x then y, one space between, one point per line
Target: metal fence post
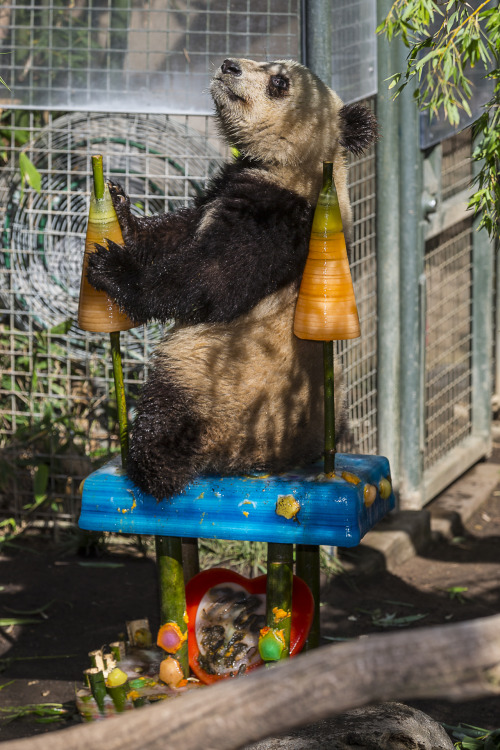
412 293
482 335
388 294
318 38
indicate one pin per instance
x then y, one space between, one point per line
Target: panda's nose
230 66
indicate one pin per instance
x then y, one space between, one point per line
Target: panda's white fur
232 389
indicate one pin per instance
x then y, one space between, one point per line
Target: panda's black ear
358 127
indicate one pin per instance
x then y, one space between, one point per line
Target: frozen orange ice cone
326 307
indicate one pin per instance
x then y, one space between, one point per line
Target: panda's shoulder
252 188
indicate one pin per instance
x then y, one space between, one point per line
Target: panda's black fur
232 389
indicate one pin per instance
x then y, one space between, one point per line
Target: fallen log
460 661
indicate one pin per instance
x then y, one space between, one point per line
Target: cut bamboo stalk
97 685
109 663
274 641
172 593
86 704
139 633
117 687
97 659
117 648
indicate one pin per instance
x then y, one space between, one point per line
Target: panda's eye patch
278 85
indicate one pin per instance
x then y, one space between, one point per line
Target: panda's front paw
121 202
112 270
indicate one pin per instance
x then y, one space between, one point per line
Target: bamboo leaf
29 173
37 611
40 484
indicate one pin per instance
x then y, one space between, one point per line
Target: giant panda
231 389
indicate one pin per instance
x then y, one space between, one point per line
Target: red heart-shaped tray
225 614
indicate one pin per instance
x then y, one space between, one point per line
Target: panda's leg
165 443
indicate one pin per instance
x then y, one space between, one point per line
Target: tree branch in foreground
459 661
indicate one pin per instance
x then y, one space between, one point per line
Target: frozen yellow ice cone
96 312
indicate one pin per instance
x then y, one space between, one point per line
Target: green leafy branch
445 40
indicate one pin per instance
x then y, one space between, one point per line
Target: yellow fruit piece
287 506
280 614
116 678
171 672
369 494
351 478
385 488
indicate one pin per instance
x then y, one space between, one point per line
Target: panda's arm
148 237
251 242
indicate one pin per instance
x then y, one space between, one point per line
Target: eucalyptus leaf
469 35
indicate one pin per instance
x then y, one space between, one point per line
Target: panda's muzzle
224 78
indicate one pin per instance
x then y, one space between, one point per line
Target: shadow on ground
87 600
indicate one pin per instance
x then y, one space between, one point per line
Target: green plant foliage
51 431
468 737
445 40
43 713
29 174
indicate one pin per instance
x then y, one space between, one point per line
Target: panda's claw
121 203
117 192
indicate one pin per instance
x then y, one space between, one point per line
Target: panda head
281 113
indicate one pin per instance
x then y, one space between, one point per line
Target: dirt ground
85 602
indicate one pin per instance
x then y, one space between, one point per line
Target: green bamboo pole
97 685
308 555
117 648
190 558
329 407
121 403
274 644
117 687
327 226
307 567
172 591
98 174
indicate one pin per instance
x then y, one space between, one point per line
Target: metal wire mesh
456 167
130 57
448 268
354 49
57 410
359 356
